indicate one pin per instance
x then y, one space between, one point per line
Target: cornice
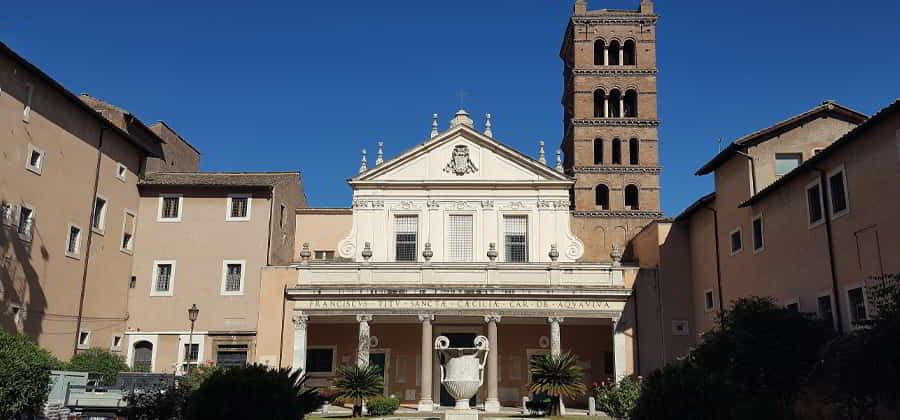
615 122
616 72
615 20
613 214
617 169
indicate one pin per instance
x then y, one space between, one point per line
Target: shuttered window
406 231
460 238
515 230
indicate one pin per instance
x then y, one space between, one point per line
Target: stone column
619 341
492 402
622 105
299 360
362 349
605 106
622 55
555 339
605 55
426 404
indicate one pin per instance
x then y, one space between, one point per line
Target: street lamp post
193 311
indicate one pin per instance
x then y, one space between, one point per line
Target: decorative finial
363 165
379 159
487 125
427 253
541 157
367 251
305 253
616 255
434 125
461 118
554 253
559 167
492 251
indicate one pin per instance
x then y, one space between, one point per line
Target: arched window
631 198
617 152
630 103
143 356
599 52
599 103
615 104
629 58
601 196
598 151
615 54
634 157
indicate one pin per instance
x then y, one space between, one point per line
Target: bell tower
610 122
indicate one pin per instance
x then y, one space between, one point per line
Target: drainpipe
90 237
826 200
718 263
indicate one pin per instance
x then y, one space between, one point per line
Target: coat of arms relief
460 163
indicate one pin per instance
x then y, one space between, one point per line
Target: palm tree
357 383
557 376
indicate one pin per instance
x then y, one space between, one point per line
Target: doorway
457 340
380 358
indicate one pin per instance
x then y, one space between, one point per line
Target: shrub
383 406
253 391
356 384
24 375
557 376
539 405
198 375
618 399
159 403
97 360
682 390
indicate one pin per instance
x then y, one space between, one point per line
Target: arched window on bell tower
630 103
631 198
598 151
634 157
616 152
613 53
601 197
614 104
599 52
599 103
629 57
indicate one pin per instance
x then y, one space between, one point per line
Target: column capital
299 319
493 317
426 317
364 318
555 319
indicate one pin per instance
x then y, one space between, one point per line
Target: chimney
581 7
647 7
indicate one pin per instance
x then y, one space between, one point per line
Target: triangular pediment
461 155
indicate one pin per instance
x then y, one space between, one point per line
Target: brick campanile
610 139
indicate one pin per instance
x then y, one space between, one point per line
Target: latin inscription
457 305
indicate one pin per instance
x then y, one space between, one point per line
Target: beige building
800 214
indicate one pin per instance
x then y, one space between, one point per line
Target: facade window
786 162
191 354
116 342
617 152
98 219
634 157
709 302
600 103
323 255
631 104
602 197
613 54
73 241
121 172
231 355
319 360
823 307
856 299
128 226
598 151
25 225
169 208
737 242
459 246
233 277
84 339
406 230
632 201
614 104
35 159
599 52
143 357
629 56
814 204
758 242
837 193
29 95
238 208
515 233
163 278
282 216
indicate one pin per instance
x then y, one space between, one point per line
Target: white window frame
709 308
811 224
136 338
101 229
222 288
828 176
121 172
529 229
228 217
333 360
820 314
125 214
731 243
29 95
86 344
762 233
112 342
393 221
39 168
159 212
76 254
29 235
847 290
183 339
171 291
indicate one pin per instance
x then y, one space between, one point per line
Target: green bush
198 375
383 406
558 377
539 405
618 400
97 360
253 392
24 375
159 403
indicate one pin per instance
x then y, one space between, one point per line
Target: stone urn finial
554 253
427 253
367 251
305 253
492 251
616 255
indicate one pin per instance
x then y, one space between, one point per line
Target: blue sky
306 84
